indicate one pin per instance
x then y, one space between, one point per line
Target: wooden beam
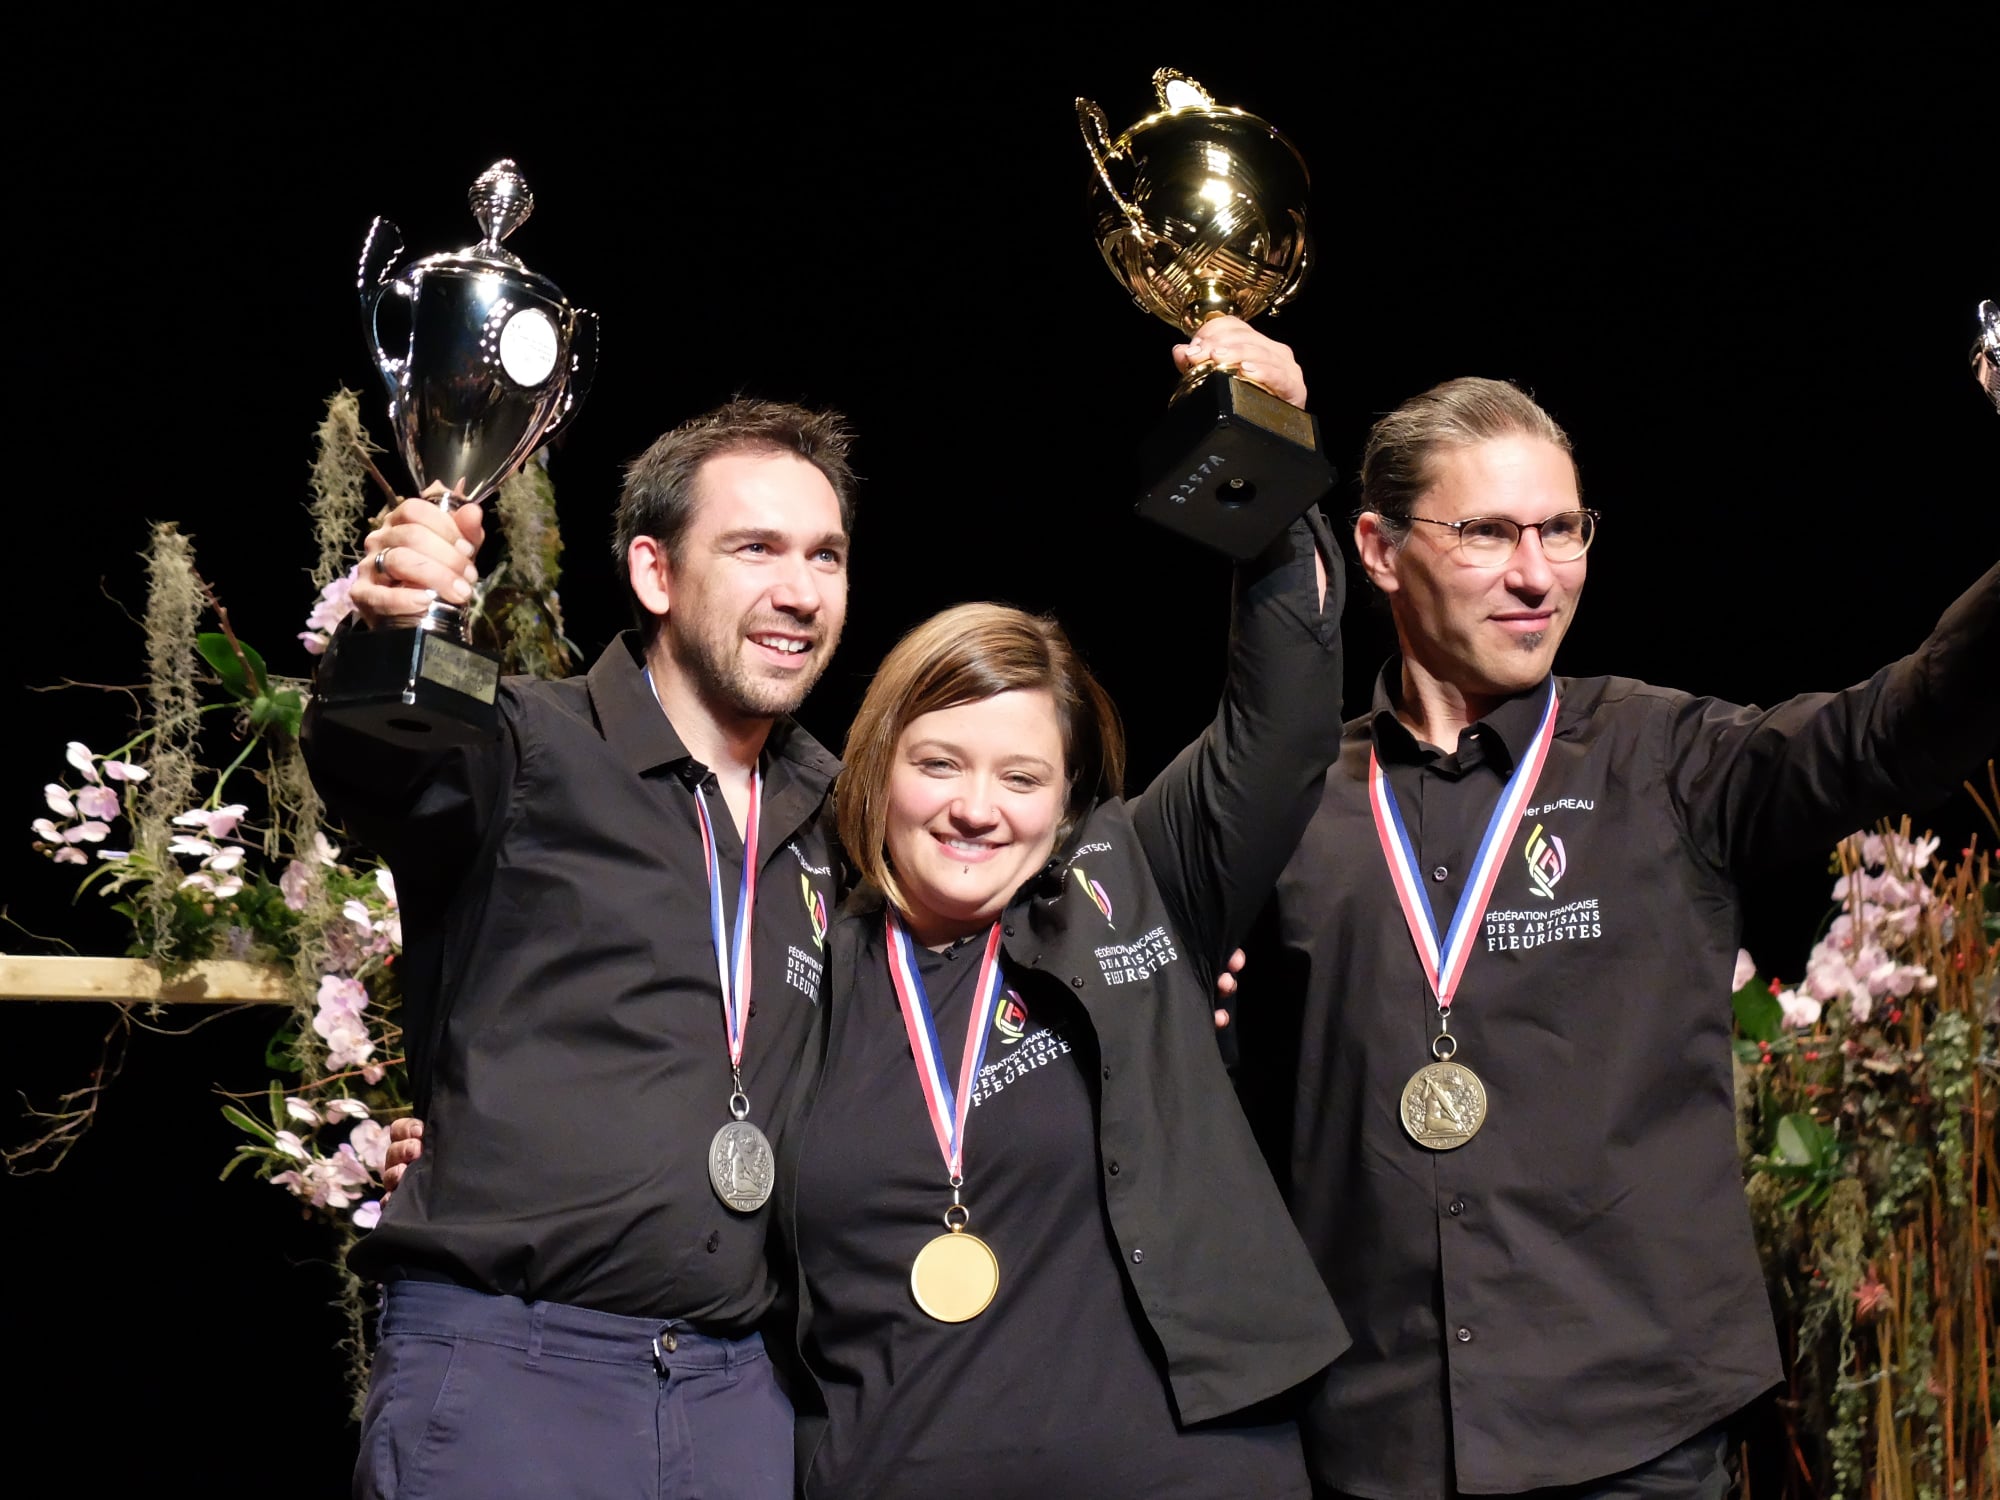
220 982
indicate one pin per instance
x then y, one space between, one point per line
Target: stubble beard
714 667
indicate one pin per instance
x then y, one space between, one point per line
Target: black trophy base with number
1235 466
411 687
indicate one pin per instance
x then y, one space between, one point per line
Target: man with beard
1502 955
595 1024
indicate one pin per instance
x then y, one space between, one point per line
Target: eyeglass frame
1457 529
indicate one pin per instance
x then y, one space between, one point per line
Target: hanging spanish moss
517 611
340 473
174 603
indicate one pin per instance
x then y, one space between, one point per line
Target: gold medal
1444 1104
955 1276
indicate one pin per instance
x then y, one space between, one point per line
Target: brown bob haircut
964 655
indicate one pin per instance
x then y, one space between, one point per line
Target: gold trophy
1210 220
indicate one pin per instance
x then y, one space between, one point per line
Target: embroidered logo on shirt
1011 1020
1547 862
815 910
1098 895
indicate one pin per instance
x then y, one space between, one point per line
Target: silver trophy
495 361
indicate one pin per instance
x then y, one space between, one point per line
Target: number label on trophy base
415 688
1235 466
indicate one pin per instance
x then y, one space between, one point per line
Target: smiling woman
1022 1187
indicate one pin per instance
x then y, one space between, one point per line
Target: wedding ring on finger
382 564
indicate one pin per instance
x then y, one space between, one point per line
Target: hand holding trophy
1986 352
1210 221
495 361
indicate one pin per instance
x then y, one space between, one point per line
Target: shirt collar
629 717
1504 733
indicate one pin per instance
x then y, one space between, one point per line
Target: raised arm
1219 823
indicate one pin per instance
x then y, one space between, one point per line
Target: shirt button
1008 929
1076 983
1465 1335
1138 1256
1456 1207
1107 1075
1112 1168
1439 873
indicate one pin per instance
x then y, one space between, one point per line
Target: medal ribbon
732 960
1444 959
946 1108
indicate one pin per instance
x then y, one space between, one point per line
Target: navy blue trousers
475 1397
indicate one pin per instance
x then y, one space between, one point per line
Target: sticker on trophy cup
529 345
467 406
1200 213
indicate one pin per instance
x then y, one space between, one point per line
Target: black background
1738 260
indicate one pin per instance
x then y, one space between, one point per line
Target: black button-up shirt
1575 1289
561 1004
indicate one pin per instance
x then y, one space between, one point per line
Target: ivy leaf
1759 1016
248 1125
223 661
1802 1142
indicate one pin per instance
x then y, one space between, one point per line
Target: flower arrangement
1867 1099
236 863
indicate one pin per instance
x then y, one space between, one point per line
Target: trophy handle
378 257
1097 141
582 370
1304 264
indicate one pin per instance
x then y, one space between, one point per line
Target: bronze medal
1444 1104
955 1276
741 1167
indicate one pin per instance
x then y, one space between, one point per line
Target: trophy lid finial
1175 90
500 202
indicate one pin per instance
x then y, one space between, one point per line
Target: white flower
370 1140
125 770
97 802
292 1146
222 822
92 832
78 754
58 800
47 830
69 855
295 884
1746 970
341 995
359 915
187 843
324 849
386 884
369 1214
346 1109
300 1110
1800 1009
225 859
114 854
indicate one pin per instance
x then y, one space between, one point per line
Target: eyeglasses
1488 541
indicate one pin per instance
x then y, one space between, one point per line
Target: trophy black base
414 688
1236 466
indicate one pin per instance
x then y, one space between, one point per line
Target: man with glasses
1507 941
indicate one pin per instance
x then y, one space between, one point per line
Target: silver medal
741 1167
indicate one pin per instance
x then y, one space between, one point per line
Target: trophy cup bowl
1200 211
494 362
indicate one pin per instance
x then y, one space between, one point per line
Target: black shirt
1127 926
1575 1289
1051 1391
561 1002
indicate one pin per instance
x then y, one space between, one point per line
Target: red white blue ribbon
1444 958
947 1108
732 955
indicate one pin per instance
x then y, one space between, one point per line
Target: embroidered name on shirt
1577 922
1560 804
805 864
1145 955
